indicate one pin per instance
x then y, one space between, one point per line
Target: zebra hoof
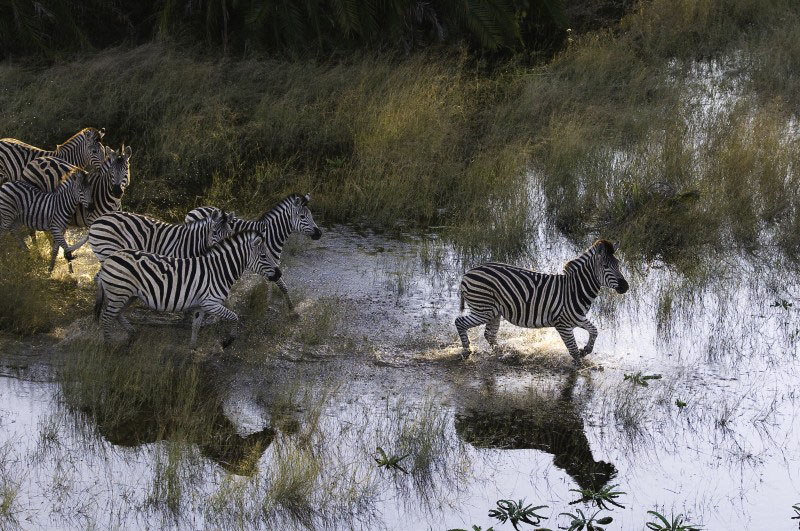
465 353
294 316
584 352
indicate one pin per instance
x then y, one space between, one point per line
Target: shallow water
524 426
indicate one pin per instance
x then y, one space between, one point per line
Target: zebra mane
278 207
599 247
79 133
234 239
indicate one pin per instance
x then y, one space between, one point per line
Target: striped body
108 182
21 203
177 284
291 215
83 150
125 230
537 300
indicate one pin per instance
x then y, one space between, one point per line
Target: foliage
517 512
600 497
474 528
392 461
676 523
680 403
579 521
640 379
50 26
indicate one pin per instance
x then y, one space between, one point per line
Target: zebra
126 230
290 215
23 203
83 149
109 181
171 284
538 300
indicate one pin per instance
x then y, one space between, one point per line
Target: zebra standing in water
538 300
291 215
23 203
178 284
83 149
125 230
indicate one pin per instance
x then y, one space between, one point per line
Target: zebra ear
616 245
305 199
101 133
126 151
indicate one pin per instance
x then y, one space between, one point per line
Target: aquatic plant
474 528
580 521
600 497
641 379
680 403
796 508
781 303
517 512
387 461
675 523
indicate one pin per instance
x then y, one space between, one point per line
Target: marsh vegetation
673 130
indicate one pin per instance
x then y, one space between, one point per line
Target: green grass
32 300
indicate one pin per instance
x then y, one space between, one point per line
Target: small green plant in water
517 512
474 528
600 497
796 516
641 379
387 461
680 403
580 521
676 523
781 303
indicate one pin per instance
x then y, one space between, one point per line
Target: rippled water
523 426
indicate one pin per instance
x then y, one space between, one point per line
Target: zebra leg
217 309
58 241
80 243
587 325
464 323
565 331
282 286
113 312
196 322
490 333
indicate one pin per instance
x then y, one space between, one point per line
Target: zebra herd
192 266
169 267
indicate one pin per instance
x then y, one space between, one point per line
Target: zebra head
221 226
81 189
301 220
261 261
607 266
119 167
94 149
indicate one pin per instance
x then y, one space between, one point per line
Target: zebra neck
69 152
582 288
276 225
229 259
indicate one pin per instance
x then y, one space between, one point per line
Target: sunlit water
525 426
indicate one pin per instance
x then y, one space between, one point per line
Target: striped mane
82 132
286 201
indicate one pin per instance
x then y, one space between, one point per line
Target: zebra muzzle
622 287
275 276
317 234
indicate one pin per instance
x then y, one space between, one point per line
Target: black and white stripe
537 300
291 215
21 203
108 182
83 149
126 230
178 284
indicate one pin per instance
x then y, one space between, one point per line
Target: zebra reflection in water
554 426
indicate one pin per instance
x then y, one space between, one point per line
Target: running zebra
538 300
21 203
109 181
291 215
83 149
169 284
125 230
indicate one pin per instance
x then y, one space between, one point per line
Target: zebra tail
461 304
100 300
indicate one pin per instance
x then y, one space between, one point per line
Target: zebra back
125 230
83 149
42 210
290 215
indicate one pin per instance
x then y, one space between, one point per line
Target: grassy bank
613 127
